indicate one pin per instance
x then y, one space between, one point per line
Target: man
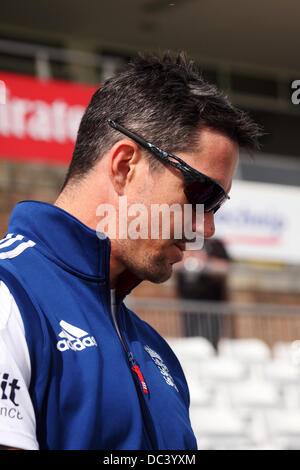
202 275
79 370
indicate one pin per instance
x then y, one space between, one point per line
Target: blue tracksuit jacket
89 389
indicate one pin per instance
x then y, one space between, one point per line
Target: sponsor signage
39 119
260 222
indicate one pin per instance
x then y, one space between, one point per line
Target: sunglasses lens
205 192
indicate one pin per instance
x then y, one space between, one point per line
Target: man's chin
159 279
156 275
161 275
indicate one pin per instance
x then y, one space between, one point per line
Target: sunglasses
199 188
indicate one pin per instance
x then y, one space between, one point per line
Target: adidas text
76 345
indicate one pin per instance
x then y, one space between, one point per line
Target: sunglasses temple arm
130 134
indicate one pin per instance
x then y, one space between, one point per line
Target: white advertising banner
261 222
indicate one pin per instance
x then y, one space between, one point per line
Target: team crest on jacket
161 366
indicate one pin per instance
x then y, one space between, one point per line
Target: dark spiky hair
166 101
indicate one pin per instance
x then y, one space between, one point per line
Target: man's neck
86 213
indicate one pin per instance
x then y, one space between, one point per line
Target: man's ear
124 156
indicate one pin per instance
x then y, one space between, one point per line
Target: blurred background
232 310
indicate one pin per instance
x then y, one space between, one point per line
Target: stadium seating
192 347
191 350
284 427
245 396
250 350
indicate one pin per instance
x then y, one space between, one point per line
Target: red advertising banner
39 119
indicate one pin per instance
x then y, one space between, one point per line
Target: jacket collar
67 241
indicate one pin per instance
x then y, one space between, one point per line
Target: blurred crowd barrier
217 320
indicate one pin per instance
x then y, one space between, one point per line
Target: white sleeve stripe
11 241
9 235
17 251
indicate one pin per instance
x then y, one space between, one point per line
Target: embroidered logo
161 366
74 338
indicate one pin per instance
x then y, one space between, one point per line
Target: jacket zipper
133 364
138 377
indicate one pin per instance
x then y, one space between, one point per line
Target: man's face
152 259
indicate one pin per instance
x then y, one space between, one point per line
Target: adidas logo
74 338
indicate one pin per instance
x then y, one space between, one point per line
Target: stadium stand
245 396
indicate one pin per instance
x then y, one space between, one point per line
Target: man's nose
209 224
204 224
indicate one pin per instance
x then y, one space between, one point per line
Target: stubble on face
147 264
